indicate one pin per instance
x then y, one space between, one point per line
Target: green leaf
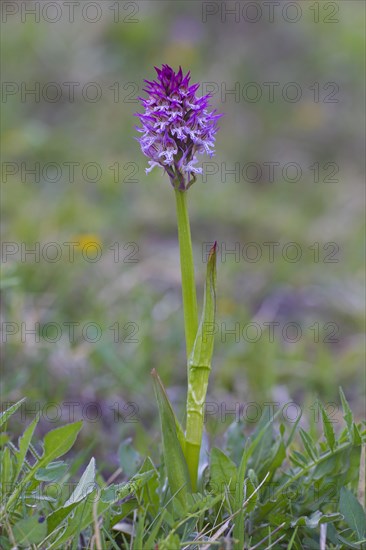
357 439
199 367
298 458
82 515
149 542
328 428
347 413
309 445
53 471
7 469
11 410
129 459
349 544
315 520
174 460
29 531
149 492
171 542
353 513
235 440
250 448
85 486
293 430
223 472
348 417
24 442
57 442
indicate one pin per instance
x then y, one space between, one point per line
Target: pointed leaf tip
213 251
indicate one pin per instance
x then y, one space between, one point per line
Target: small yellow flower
87 239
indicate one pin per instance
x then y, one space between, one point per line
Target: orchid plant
280 486
178 125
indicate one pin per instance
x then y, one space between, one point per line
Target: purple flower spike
176 126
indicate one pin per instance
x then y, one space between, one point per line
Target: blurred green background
322 133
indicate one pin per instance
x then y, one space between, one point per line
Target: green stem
187 270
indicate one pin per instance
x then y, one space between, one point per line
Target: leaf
174 460
328 428
85 486
129 459
149 493
293 430
347 413
354 514
53 471
171 542
6 471
250 448
348 417
235 440
29 531
357 440
11 410
203 347
223 472
298 458
315 519
112 493
24 442
149 542
82 515
350 544
309 445
57 442
199 367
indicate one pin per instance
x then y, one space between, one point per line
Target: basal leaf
174 460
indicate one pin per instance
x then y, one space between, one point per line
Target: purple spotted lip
176 126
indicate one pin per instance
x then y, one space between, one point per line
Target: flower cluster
176 126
